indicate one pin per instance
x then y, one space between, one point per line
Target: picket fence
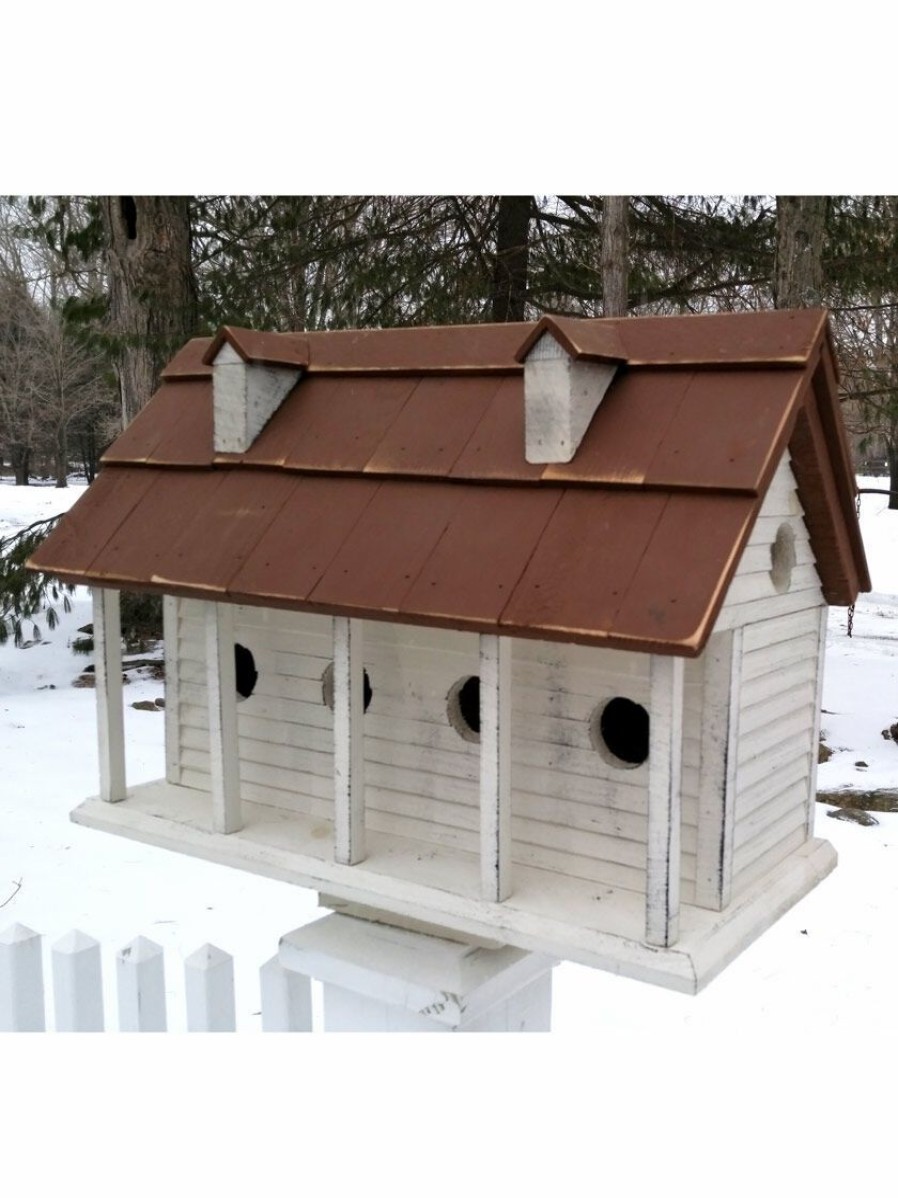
77 989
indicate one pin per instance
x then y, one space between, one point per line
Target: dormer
252 374
568 366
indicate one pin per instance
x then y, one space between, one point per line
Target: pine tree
25 595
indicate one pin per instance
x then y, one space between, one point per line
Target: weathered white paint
77 985
381 978
752 596
776 745
209 989
140 975
170 632
349 746
221 688
559 915
21 980
561 396
108 682
495 766
286 998
245 396
662 900
818 706
722 661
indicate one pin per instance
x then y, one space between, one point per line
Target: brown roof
392 484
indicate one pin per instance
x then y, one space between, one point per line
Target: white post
209 978
377 978
77 984
717 782
140 971
495 767
349 744
286 999
221 682
818 704
170 610
107 626
662 907
21 981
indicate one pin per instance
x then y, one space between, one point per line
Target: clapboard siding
776 722
778 694
421 776
752 597
285 729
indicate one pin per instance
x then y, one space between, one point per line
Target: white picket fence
77 988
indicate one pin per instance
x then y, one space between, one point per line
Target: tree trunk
20 458
509 297
62 457
152 295
615 255
800 229
892 457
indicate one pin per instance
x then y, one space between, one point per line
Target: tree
20 321
615 255
152 297
25 595
509 292
800 230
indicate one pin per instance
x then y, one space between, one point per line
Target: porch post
662 905
108 683
221 686
495 767
349 745
717 780
823 619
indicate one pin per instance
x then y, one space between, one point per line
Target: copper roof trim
267 349
589 340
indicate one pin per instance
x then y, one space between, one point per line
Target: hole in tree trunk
129 216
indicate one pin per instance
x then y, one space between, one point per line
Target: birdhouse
515 631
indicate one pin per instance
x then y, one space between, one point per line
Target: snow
809 1006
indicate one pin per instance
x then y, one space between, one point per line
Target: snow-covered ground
814 999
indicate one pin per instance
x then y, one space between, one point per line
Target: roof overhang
405 495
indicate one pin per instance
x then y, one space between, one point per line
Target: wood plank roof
391 483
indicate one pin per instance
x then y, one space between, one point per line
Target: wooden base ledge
580 921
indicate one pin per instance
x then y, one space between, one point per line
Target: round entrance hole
782 559
245 672
619 731
327 688
463 708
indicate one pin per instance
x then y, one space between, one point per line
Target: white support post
495 767
107 626
140 973
209 986
662 905
818 704
170 610
21 981
721 698
77 984
378 978
349 743
286 999
221 682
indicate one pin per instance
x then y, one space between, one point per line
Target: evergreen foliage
26 596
